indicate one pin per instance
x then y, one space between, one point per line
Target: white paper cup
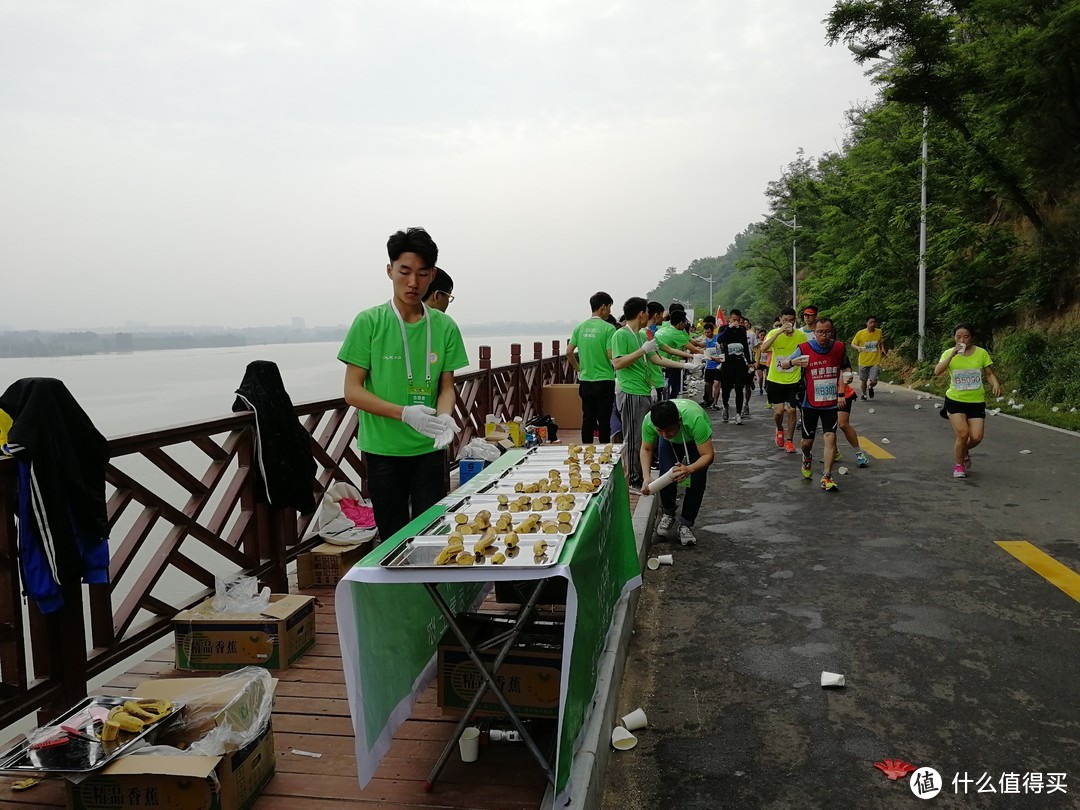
832 679
635 720
621 739
469 744
665 559
653 563
658 484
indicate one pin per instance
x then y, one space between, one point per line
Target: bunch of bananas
134 716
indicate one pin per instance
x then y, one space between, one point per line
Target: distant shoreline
40 343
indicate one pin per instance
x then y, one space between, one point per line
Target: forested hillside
999 82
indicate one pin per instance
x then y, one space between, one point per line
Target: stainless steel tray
563 450
506 486
446 523
490 501
421 551
78 754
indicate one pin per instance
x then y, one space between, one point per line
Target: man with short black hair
400 360
674 343
682 432
441 291
631 354
782 385
587 351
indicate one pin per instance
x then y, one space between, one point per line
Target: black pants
733 376
674 382
597 400
692 498
402 487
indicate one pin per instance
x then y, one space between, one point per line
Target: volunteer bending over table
683 432
400 360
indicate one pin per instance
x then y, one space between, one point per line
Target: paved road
957 655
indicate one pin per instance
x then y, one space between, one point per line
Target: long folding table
390 621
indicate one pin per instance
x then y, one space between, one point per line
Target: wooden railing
183 508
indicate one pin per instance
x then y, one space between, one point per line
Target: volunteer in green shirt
656 320
400 360
631 354
674 343
969 367
596 377
782 386
683 432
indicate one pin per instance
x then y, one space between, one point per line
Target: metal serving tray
79 755
445 524
490 501
563 450
421 551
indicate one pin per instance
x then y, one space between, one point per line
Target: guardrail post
59 644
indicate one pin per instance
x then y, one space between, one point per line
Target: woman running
969 366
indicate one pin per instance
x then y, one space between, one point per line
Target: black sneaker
871 392
725 416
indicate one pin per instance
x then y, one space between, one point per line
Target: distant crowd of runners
633 373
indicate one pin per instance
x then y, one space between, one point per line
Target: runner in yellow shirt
870 344
969 368
782 385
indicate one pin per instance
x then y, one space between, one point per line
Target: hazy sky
241 162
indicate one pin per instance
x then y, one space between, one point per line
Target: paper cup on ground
622 739
665 559
832 679
469 744
653 563
635 720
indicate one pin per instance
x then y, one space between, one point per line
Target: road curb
591 758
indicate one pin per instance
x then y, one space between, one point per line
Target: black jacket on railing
282 446
63 525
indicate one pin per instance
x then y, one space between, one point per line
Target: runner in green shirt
400 360
682 431
596 376
782 386
969 368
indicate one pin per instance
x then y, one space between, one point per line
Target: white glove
450 430
691 365
423 420
649 346
653 395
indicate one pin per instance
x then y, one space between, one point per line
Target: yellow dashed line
873 449
1045 566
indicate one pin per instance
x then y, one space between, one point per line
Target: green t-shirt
591 338
784 346
696 427
657 373
635 378
668 336
374 343
966 375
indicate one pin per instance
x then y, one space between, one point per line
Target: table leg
488 681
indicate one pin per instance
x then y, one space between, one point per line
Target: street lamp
866 53
710 279
794 274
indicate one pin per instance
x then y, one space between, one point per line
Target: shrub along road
957 654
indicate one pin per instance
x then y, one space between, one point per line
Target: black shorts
712 375
845 405
972 410
811 417
782 393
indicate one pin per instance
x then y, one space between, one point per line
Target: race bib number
825 390
967 379
735 349
870 346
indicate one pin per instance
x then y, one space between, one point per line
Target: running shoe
738 419
807 467
870 391
746 410
686 536
863 397
667 529
635 490
959 471
789 447
967 462
838 457
861 458
828 484
779 438
725 416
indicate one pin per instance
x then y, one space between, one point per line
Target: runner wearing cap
809 315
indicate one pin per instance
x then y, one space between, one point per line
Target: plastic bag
237 593
479 449
210 725
337 527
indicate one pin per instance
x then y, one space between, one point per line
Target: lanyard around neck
405 342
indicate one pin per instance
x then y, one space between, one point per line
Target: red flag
720 319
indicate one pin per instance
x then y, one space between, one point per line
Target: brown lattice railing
183 508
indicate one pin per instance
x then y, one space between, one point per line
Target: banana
486 540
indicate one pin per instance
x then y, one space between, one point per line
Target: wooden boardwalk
311 713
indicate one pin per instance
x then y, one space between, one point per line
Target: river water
140 391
